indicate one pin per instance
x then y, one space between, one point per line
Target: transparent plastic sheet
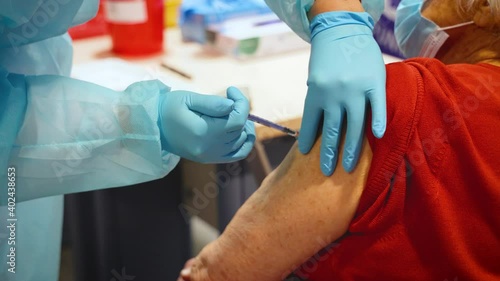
196 15
222 8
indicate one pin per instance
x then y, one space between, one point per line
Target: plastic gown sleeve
294 13
64 135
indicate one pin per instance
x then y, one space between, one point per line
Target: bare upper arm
296 212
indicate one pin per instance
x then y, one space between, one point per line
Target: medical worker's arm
294 214
346 73
64 135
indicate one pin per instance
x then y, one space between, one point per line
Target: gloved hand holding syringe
273 125
266 122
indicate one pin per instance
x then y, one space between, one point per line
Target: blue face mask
416 35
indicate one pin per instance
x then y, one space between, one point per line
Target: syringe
273 125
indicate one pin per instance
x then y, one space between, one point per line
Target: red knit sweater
431 206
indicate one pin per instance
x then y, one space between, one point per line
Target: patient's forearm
321 6
295 213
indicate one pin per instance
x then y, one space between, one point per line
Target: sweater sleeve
405 89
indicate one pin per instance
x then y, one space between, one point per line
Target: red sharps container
135 26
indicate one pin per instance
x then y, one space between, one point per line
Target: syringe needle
273 125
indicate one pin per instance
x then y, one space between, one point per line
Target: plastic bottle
135 26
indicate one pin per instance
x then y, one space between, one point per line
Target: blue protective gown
60 134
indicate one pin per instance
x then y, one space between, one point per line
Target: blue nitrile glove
346 72
207 129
